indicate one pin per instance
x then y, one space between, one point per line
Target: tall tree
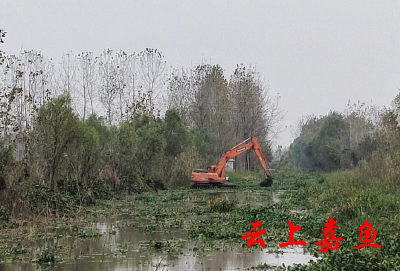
67 75
181 94
152 70
211 110
254 114
87 74
108 89
55 131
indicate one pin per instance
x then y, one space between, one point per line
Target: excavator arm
216 174
248 144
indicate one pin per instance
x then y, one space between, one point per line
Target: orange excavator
215 175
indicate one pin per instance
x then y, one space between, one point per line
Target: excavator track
211 185
202 186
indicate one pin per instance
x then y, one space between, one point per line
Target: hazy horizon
315 55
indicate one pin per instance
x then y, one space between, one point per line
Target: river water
129 248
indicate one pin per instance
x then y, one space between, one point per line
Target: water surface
125 245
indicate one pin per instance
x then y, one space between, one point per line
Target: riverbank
351 198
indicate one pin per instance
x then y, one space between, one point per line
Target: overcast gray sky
316 54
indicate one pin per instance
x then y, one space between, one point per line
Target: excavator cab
215 174
202 178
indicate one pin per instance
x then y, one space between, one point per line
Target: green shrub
4 216
45 256
221 205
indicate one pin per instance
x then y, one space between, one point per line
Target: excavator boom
216 174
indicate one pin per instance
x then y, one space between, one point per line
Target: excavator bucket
267 182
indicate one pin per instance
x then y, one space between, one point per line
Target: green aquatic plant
262 266
45 256
18 249
218 205
168 246
88 234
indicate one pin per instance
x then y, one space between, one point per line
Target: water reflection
127 248
237 259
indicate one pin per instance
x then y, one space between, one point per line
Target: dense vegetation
361 150
350 198
361 135
95 127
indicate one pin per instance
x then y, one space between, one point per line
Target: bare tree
122 66
67 77
108 88
152 70
137 99
181 94
132 80
26 79
87 77
357 115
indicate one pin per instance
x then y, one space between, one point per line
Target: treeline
227 111
92 126
362 137
71 162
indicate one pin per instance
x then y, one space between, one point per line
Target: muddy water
129 247
232 260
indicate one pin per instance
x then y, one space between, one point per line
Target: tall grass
350 198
